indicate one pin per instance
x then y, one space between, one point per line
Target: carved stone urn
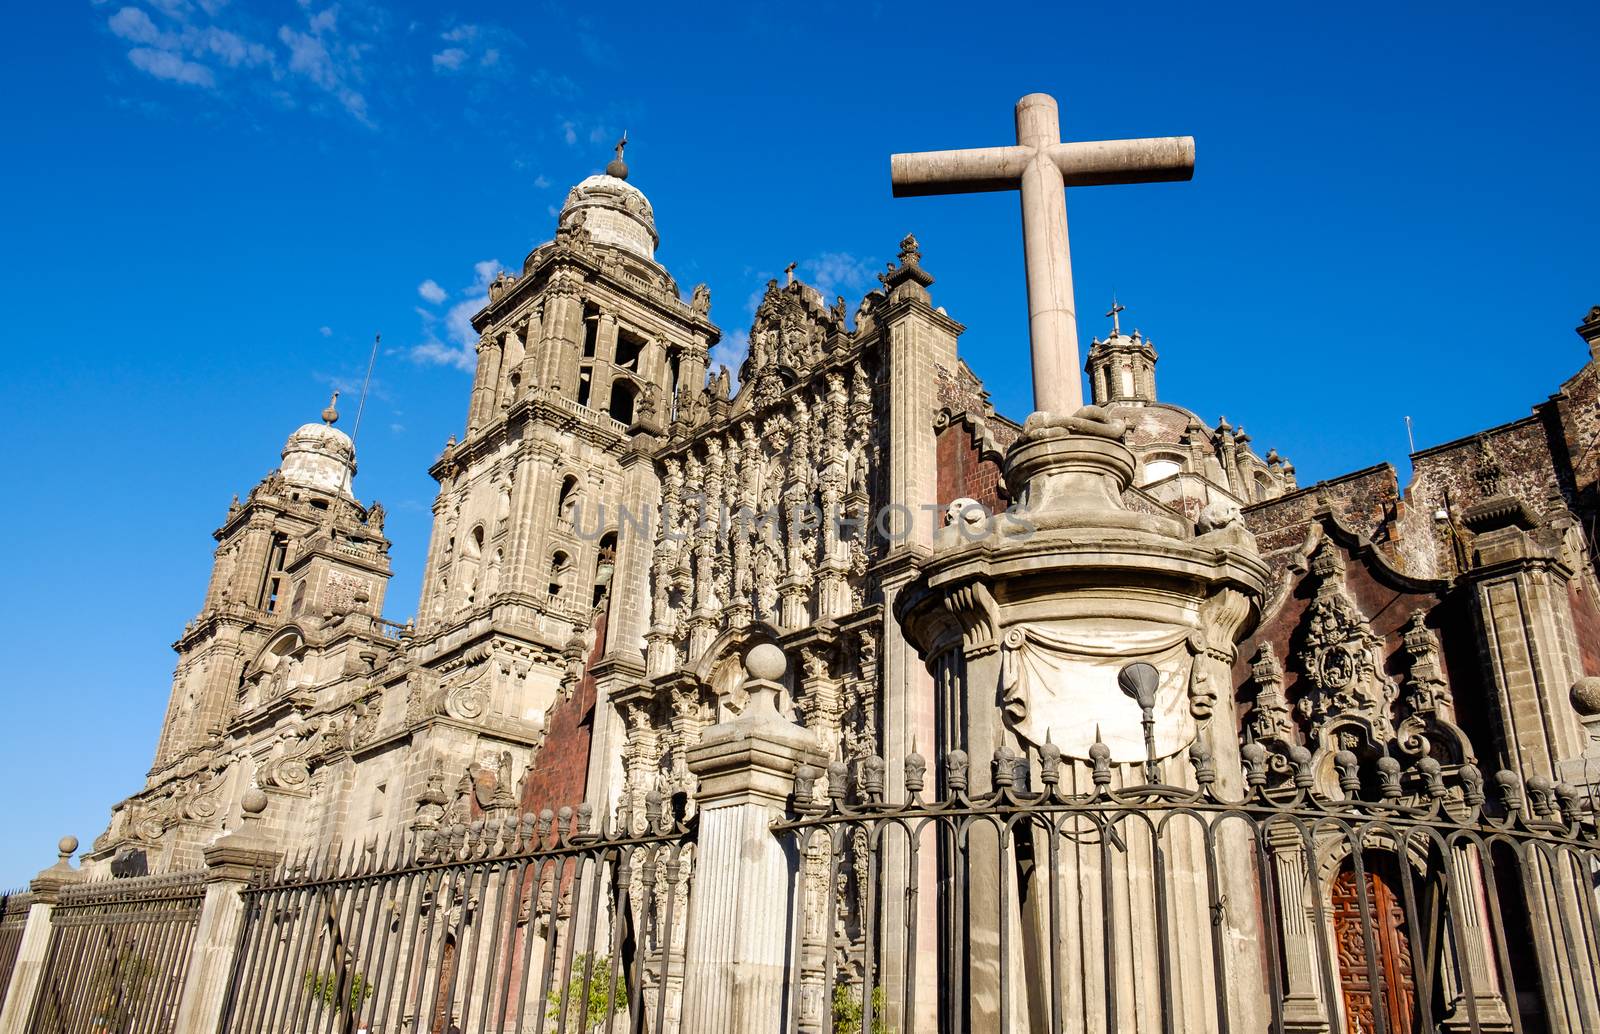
1028 623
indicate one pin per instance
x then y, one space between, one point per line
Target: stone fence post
29 967
230 861
735 973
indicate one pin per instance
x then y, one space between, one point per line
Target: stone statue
700 300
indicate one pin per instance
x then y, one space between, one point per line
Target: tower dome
613 211
320 456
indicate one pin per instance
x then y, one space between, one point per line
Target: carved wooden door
1391 944
441 998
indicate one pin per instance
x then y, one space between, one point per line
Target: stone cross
1041 166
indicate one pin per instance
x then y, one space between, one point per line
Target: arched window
624 395
1159 468
630 347
1263 486
560 568
591 329
605 566
567 500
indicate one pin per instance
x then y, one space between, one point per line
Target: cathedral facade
616 527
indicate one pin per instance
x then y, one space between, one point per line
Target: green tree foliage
847 1010
324 987
588 1003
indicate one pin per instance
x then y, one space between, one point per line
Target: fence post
230 862
735 972
31 954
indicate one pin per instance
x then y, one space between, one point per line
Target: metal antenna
1409 436
366 383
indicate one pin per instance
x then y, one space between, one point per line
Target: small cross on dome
1116 310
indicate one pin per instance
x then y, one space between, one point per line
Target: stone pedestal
741 903
1035 628
29 967
230 862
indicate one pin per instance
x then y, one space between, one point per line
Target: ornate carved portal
1390 948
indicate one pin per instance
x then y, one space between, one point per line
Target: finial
788 273
1116 311
617 166
330 416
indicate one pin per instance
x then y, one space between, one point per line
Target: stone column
488 375
744 884
229 864
28 971
561 334
602 371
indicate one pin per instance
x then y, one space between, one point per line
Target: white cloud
186 43
164 64
541 182
435 353
730 352
431 292
134 25
325 331
837 272
459 349
479 49
570 132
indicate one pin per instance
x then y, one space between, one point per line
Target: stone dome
320 456
613 211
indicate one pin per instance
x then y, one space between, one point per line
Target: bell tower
541 541
298 549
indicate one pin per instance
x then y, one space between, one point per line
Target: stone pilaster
1517 588
742 903
28 970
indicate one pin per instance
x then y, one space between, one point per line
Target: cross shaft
1040 167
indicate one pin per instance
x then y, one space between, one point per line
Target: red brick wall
1586 625
963 472
560 772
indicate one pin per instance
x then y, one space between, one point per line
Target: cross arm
969 171
1156 159
1082 163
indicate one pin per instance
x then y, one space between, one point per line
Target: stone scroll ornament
1061 683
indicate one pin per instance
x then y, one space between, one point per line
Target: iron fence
13 920
118 955
1332 893
539 924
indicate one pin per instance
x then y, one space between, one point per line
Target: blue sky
211 205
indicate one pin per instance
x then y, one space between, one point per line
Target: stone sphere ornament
67 846
766 661
254 801
1586 695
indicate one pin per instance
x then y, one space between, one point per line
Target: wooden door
1391 944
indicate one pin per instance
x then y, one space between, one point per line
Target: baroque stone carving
1342 657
